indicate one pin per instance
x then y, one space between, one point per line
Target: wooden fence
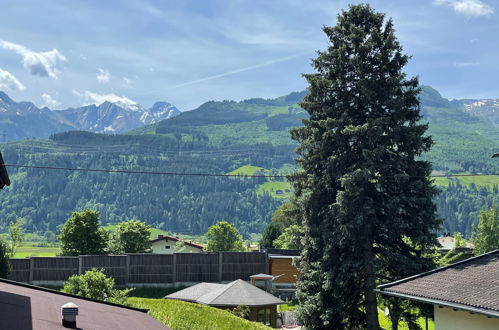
153 269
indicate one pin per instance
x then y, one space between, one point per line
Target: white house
166 244
465 295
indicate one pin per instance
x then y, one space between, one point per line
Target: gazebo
262 305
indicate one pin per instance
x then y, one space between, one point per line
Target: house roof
176 239
471 285
235 293
447 243
4 176
27 307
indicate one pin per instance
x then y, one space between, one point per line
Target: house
262 305
465 295
4 176
447 245
283 270
28 307
166 244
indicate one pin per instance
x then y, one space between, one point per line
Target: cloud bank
472 8
7 80
43 64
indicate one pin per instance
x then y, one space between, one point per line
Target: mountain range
221 137
20 120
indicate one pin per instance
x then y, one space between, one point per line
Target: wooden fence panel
197 267
20 270
113 265
151 268
54 268
241 265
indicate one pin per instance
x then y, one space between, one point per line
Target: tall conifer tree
365 197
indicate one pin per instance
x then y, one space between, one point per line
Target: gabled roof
27 307
235 293
4 176
176 239
471 285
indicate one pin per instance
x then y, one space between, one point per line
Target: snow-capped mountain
486 108
19 120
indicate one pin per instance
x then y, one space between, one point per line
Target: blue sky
69 53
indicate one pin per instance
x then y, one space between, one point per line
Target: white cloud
49 101
127 83
89 97
473 8
103 76
43 64
465 64
7 80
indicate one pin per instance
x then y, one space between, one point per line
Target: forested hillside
218 138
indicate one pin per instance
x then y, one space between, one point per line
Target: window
167 247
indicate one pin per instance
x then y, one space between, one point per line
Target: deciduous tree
364 195
223 236
486 232
4 259
81 234
130 236
16 235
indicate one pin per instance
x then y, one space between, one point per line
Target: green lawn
35 251
479 181
271 188
248 170
385 323
181 315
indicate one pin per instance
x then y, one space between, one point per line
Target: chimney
160 236
69 312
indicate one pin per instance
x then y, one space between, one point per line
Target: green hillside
228 137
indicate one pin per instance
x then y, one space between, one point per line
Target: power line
206 174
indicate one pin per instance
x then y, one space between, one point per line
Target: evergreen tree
5 267
365 199
270 234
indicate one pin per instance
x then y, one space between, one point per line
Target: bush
95 284
4 260
241 311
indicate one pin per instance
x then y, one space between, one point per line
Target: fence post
174 275
220 264
80 264
31 269
127 269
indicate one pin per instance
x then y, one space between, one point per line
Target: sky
64 54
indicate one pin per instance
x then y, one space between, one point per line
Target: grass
384 322
248 170
29 249
180 315
479 181
271 188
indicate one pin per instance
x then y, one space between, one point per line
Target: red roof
177 239
27 307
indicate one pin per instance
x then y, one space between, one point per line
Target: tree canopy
223 236
364 196
130 236
82 234
4 259
486 232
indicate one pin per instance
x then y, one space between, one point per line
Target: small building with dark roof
263 305
465 295
28 307
166 244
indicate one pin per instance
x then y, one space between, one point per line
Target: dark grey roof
4 176
235 293
28 307
471 285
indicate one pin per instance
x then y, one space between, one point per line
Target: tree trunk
371 305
